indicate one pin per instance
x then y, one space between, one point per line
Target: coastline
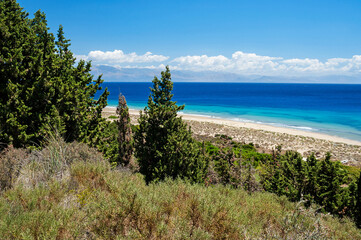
256 126
267 137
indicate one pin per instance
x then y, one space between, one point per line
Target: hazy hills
114 74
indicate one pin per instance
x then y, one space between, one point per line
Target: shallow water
333 109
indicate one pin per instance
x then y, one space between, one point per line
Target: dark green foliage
233 164
326 183
224 162
109 145
163 143
125 139
222 136
313 180
40 86
358 203
330 179
311 185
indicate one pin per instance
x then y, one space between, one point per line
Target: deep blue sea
333 109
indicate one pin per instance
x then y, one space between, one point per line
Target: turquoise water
326 108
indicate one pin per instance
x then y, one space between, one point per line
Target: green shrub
99 203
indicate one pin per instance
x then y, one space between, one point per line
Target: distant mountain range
114 74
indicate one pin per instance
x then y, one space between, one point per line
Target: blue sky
246 37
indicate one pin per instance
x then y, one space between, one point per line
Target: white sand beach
268 136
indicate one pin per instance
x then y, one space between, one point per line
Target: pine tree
164 144
125 132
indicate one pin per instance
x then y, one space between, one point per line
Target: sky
279 37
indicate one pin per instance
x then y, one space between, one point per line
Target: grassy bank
68 191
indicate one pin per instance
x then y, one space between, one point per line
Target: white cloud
239 62
251 63
203 62
118 56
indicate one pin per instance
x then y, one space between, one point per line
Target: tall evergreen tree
40 84
312 187
164 144
330 179
125 132
358 203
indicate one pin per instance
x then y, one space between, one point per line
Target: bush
99 203
86 199
11 162
37 167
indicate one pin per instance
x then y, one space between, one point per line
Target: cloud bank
118 56
239 63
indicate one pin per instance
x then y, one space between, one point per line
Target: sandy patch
346 150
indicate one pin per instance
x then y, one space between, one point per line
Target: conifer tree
125 132
164 144
330 178
40 84
358 203
312 187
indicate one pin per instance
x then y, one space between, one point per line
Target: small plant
223 136
54 160
83 196
11 162
296 224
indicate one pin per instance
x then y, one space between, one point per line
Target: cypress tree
311 189
358 203
164 144
41 86
125 132
330 178
18 58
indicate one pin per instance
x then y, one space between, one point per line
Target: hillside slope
68 191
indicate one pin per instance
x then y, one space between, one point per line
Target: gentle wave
240 120
329 109
257 122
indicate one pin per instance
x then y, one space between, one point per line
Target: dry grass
78 196
53 161
11 161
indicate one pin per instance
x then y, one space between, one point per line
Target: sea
333 109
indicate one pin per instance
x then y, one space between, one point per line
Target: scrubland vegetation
66 173
69 191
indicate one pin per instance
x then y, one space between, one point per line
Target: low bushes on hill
86 199
329 184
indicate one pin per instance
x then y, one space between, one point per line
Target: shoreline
256 126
